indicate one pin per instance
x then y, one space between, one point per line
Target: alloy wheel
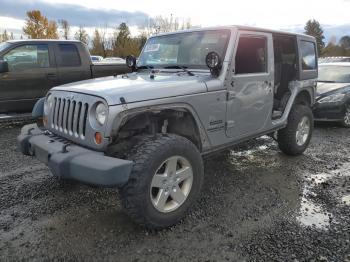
171 184
303 131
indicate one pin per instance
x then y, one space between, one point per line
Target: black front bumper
71 161
334 111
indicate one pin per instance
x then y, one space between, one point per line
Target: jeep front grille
69 117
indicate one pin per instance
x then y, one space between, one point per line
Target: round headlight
48 104
101 113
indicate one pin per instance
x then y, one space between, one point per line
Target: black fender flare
38 109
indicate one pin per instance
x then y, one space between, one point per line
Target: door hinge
230 95
230 124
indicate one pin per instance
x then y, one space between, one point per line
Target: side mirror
4 66
213 61
131 62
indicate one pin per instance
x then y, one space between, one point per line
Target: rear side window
251 55
69 55
308 55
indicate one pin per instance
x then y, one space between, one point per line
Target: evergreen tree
4 36
314 29
122 43
142 39
345 42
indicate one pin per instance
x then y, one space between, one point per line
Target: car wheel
296 136
165 181
346 119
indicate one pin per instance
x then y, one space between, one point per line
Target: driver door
31 74
250 95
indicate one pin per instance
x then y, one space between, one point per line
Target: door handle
268 83
268 86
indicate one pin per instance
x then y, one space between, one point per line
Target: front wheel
165 181
296 136
346 120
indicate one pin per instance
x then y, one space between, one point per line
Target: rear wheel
165 181
296 136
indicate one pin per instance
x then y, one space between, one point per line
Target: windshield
4 45
334 74
184 49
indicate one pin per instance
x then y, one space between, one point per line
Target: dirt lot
257 205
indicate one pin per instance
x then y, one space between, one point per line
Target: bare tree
101 44
162 24
81 35
65 28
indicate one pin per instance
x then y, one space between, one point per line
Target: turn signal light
98 138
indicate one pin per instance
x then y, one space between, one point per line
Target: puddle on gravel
313 214
346 199
264 140
249 151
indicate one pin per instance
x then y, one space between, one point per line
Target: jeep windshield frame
183 50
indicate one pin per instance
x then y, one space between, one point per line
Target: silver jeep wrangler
191 93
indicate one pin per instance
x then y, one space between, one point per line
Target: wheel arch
305 97
181 120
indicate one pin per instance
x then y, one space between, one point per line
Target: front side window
69 55
308 55
251 55
184 49
28 57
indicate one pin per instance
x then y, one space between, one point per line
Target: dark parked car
333 59
29 68
333 93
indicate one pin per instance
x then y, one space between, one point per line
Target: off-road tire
286 137
148 154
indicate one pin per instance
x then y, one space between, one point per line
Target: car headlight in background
101 113
332 98
48 104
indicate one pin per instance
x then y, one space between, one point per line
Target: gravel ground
257 205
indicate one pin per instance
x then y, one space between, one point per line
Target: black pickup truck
29 68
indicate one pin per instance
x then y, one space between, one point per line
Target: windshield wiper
325 81
184 68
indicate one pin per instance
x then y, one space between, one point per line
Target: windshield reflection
187 50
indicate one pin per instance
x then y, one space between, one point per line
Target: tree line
5 36
334 47
120 43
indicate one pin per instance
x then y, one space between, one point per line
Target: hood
137 87
324 88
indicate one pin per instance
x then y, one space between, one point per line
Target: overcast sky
282 14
